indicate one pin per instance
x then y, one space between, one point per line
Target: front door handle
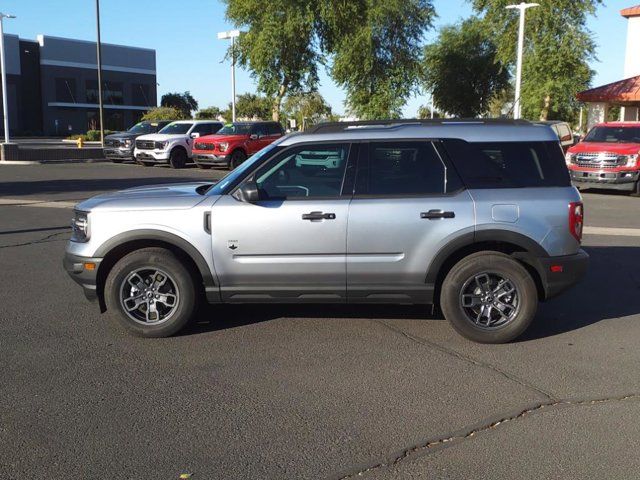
316 216
436 214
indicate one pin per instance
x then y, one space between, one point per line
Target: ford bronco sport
477 217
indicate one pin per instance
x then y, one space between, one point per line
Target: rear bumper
561 273
211 159
87 279
624 180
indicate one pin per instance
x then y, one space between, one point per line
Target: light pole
5 106
232 34
517 108
99 62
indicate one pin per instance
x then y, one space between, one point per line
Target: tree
209 113
558 49
253 107
278 46
307 108
180 101
376 47
424 112
462 71
158 114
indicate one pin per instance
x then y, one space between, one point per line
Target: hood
176 196
621 148
161 137
120 136
222 138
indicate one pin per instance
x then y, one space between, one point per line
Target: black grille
205 146
109 142
145 144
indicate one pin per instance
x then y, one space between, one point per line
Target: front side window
274 129
235 129
403 168
176 128
66 90
301 172
613 135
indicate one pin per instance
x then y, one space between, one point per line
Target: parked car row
206 142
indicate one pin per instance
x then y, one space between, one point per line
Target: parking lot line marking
611 231
21 202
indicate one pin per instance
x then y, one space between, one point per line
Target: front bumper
211 159
152 156
623 180
118 153
75 266
560 273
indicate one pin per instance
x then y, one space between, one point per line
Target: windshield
235 129
614 135
176 128
230 178
142 127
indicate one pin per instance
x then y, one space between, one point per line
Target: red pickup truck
607 158
234 143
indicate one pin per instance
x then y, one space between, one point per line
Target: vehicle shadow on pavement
13 189
610 290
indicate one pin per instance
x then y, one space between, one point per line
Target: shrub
164 113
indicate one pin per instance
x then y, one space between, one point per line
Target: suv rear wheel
489 297
152 292
178 158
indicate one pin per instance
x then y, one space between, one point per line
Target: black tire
179 283
237 157
203 167
178 158
117 160
636 189
462 285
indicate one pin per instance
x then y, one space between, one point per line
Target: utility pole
517 106
5 103
232 34
99 58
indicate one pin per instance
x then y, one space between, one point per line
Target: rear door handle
316 216
436 214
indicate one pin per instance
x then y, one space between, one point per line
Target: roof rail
330 127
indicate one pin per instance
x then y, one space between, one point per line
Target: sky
190 57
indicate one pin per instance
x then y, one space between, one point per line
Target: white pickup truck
173 143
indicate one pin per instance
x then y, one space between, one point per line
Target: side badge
232 244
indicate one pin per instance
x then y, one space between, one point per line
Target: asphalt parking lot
308 392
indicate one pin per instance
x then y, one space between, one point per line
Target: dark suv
118 147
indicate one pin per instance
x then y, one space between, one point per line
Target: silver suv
476 217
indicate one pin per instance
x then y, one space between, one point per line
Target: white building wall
632 57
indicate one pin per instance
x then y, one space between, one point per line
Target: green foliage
278 46
558 49
253 107
90 136
164 113
307 109
183 102
462 71
424 112
376 47
209 113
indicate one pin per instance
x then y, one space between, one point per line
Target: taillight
576 219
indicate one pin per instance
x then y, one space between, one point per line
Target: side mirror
195 135
253 136
248 192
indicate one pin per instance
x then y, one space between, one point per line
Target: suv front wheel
152 292
489 297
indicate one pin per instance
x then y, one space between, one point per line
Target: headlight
127 142
161 145
224 146
569 158
80 226
632 160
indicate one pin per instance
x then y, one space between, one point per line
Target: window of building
66 90
112 92
141 94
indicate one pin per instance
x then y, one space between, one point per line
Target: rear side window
401 168
509 164
274 129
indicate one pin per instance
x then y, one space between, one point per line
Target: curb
46 162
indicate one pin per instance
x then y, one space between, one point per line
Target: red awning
631 12
623 91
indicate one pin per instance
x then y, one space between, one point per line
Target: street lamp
5 106
232 34
99 65
517 108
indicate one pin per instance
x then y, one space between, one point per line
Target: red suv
234 143
607 158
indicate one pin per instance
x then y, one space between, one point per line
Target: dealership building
52 85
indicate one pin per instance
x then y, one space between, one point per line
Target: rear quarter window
508 164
